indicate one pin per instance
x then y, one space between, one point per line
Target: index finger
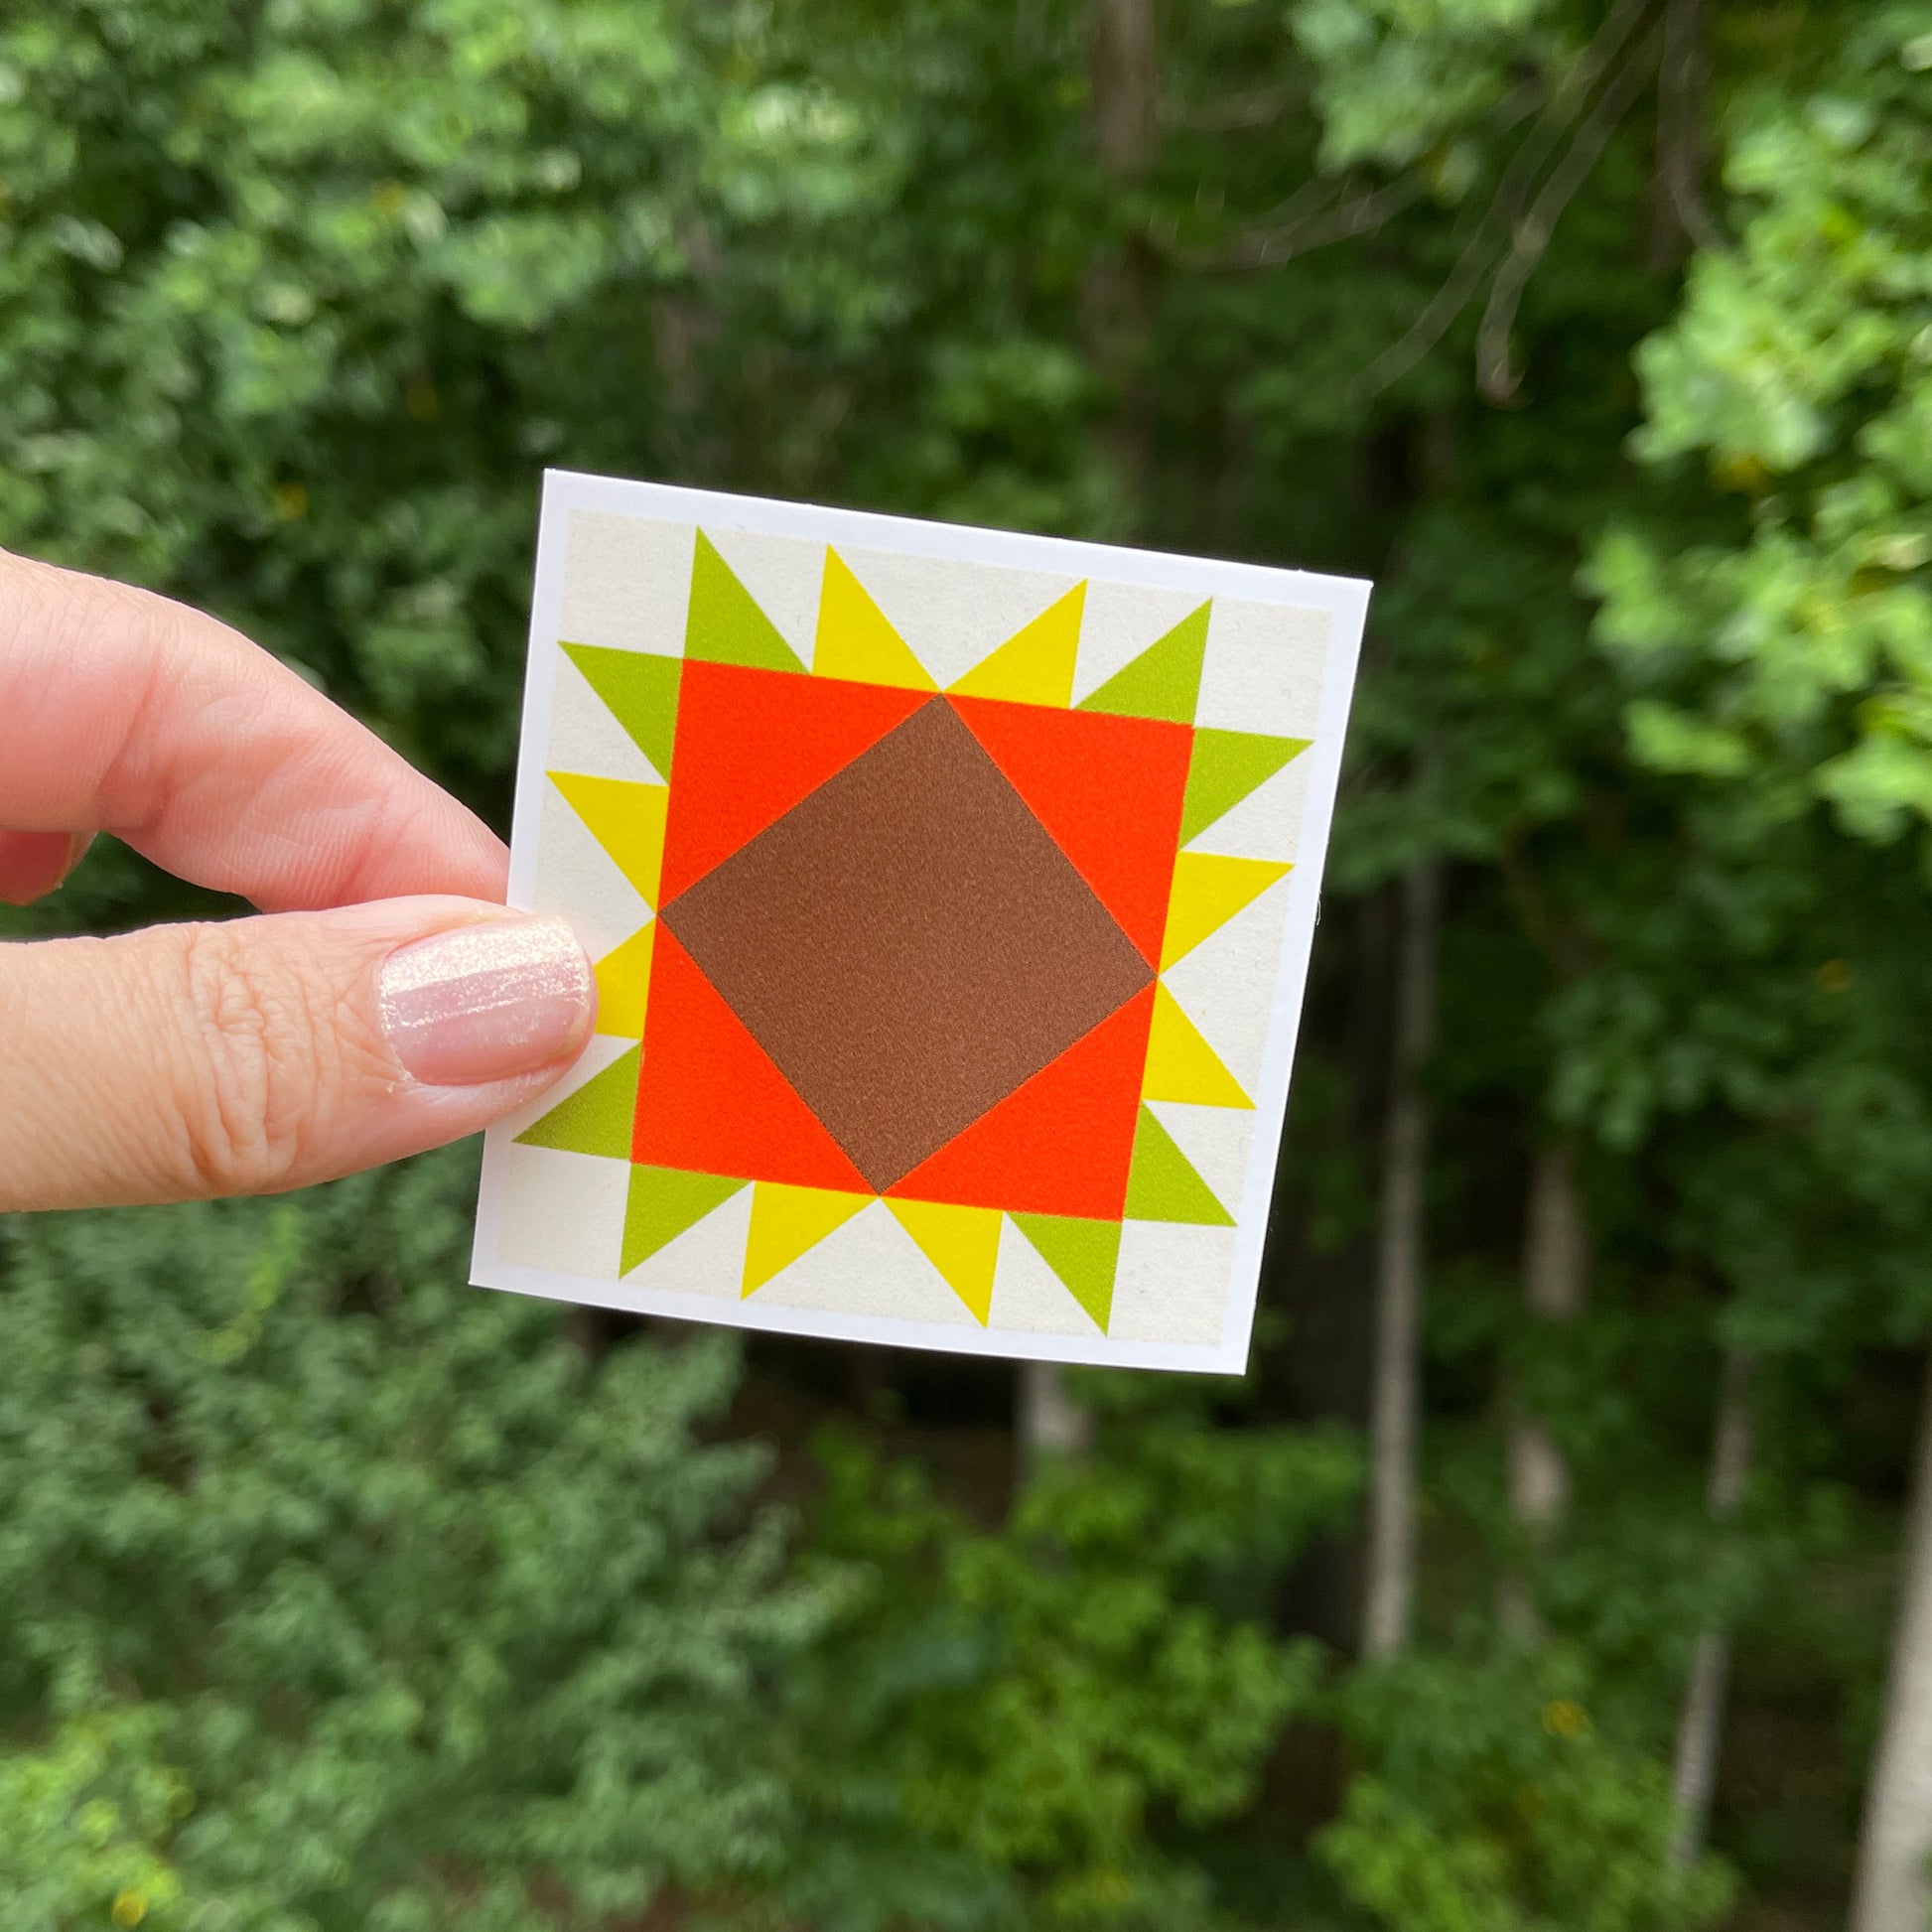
126 713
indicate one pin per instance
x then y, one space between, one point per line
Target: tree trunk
1117 295
1699 1730
1049 1422
1124 80
1395 1415
1328 1372
1124 53
1556 1287
1889 1892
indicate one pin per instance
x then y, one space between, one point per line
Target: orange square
751 746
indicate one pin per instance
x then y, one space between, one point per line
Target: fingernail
486 1002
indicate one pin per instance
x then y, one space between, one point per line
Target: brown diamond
908 944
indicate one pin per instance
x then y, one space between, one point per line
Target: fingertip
34 864
493 1000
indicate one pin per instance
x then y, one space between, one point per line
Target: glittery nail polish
487 1001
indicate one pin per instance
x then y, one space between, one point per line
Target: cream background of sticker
627 583
1264 668
614 568
1172 1284
564 1210
579 881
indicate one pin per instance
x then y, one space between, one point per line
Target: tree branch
1561 113
1273 247
1495 374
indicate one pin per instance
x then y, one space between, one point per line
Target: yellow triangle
627 820
1208 890
1035 664
624 985
786 1221
1180 1065
963 1243
855 639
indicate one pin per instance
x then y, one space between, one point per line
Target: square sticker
951 894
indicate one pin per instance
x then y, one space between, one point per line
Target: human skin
382 1002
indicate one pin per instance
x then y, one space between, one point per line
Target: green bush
1490 1801
433 1613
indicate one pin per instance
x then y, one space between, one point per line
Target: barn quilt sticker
951 894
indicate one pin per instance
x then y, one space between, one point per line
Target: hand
358 1022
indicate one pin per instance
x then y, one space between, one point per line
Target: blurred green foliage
334 1594
84 1815
999 1711
1498 1805
343 1528
1799 373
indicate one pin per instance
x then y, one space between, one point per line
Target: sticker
951 894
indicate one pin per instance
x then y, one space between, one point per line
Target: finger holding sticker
384 1003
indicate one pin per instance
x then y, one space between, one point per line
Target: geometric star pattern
908 945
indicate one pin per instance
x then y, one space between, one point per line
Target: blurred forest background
1543 1574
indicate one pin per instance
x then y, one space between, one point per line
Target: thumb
264 1053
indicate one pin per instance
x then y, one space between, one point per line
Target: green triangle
1225 768
1161 1185
1083 1253
596 1119
662 1203
640 688
725 625
1164 681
